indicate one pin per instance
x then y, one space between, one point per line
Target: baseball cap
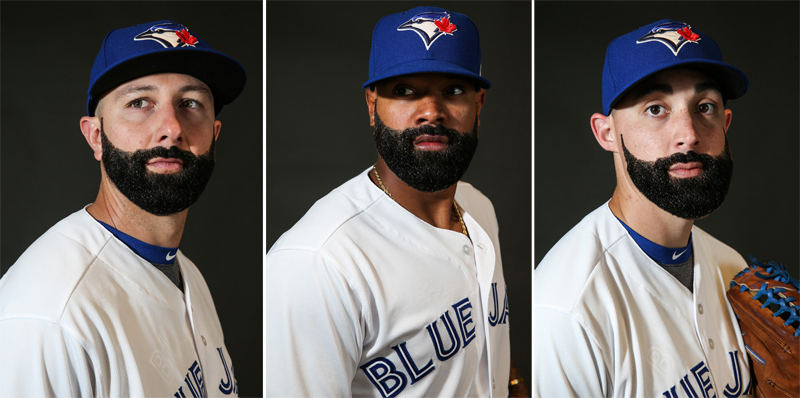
425 39
161 47
661 45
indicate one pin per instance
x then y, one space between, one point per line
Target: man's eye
403 91
654 110
138 103
454 91
706 108
188 103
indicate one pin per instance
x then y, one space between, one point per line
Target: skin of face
678 110
166 109
426 98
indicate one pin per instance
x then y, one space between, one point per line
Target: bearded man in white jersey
631 301
104 303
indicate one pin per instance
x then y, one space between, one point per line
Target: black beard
687 198
426 171
158 194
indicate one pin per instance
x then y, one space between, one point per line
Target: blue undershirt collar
151 253
661 254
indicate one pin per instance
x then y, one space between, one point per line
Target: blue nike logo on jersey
676 254
169 258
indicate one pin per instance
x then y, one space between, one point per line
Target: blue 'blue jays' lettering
703 379
390 381
498 318
227 385
383 374
438 345
411 367
736 390
464 319
702 376
424 25
194 381
671 34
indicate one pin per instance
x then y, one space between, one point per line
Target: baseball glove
764 298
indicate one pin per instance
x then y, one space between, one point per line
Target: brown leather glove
764 298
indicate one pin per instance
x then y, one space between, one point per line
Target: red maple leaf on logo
687 34
186 37
445 26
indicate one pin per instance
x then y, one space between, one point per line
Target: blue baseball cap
163 47
425 39
661 45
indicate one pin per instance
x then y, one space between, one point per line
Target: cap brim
426 66
223 75
731 80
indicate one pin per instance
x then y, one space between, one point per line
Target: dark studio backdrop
318 132
48 171
574 175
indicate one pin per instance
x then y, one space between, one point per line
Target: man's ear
603 131
728 117
91 127
480 98
371 95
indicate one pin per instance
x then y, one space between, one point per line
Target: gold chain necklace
455 206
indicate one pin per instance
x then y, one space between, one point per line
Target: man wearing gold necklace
393 282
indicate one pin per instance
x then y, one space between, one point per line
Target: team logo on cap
674 35
168 35
429 26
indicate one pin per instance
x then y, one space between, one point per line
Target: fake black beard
687 198
158 194
426 171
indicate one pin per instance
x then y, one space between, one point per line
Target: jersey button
700 308
711 343
204 340
466 250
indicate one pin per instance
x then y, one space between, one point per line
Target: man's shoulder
42 280
572 263
330 214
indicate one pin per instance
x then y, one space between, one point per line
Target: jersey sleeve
40 359
314 326
567 360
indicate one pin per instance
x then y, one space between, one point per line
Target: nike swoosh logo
169 258
676 254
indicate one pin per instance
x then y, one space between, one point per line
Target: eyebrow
152 88
667 89
705 86
652 88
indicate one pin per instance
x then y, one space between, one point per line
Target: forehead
425 79
675 80
160 83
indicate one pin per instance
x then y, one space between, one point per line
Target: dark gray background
318 133
48 170
574 175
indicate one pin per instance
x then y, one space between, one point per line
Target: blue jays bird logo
674 35
168 35
429 26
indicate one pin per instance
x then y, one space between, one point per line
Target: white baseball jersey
82 315
366 299
611 322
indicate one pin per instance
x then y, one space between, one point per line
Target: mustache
666 162
145 155
688 157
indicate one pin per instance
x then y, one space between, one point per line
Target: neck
114 209
647 219
435 208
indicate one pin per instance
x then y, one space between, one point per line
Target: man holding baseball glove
631 301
